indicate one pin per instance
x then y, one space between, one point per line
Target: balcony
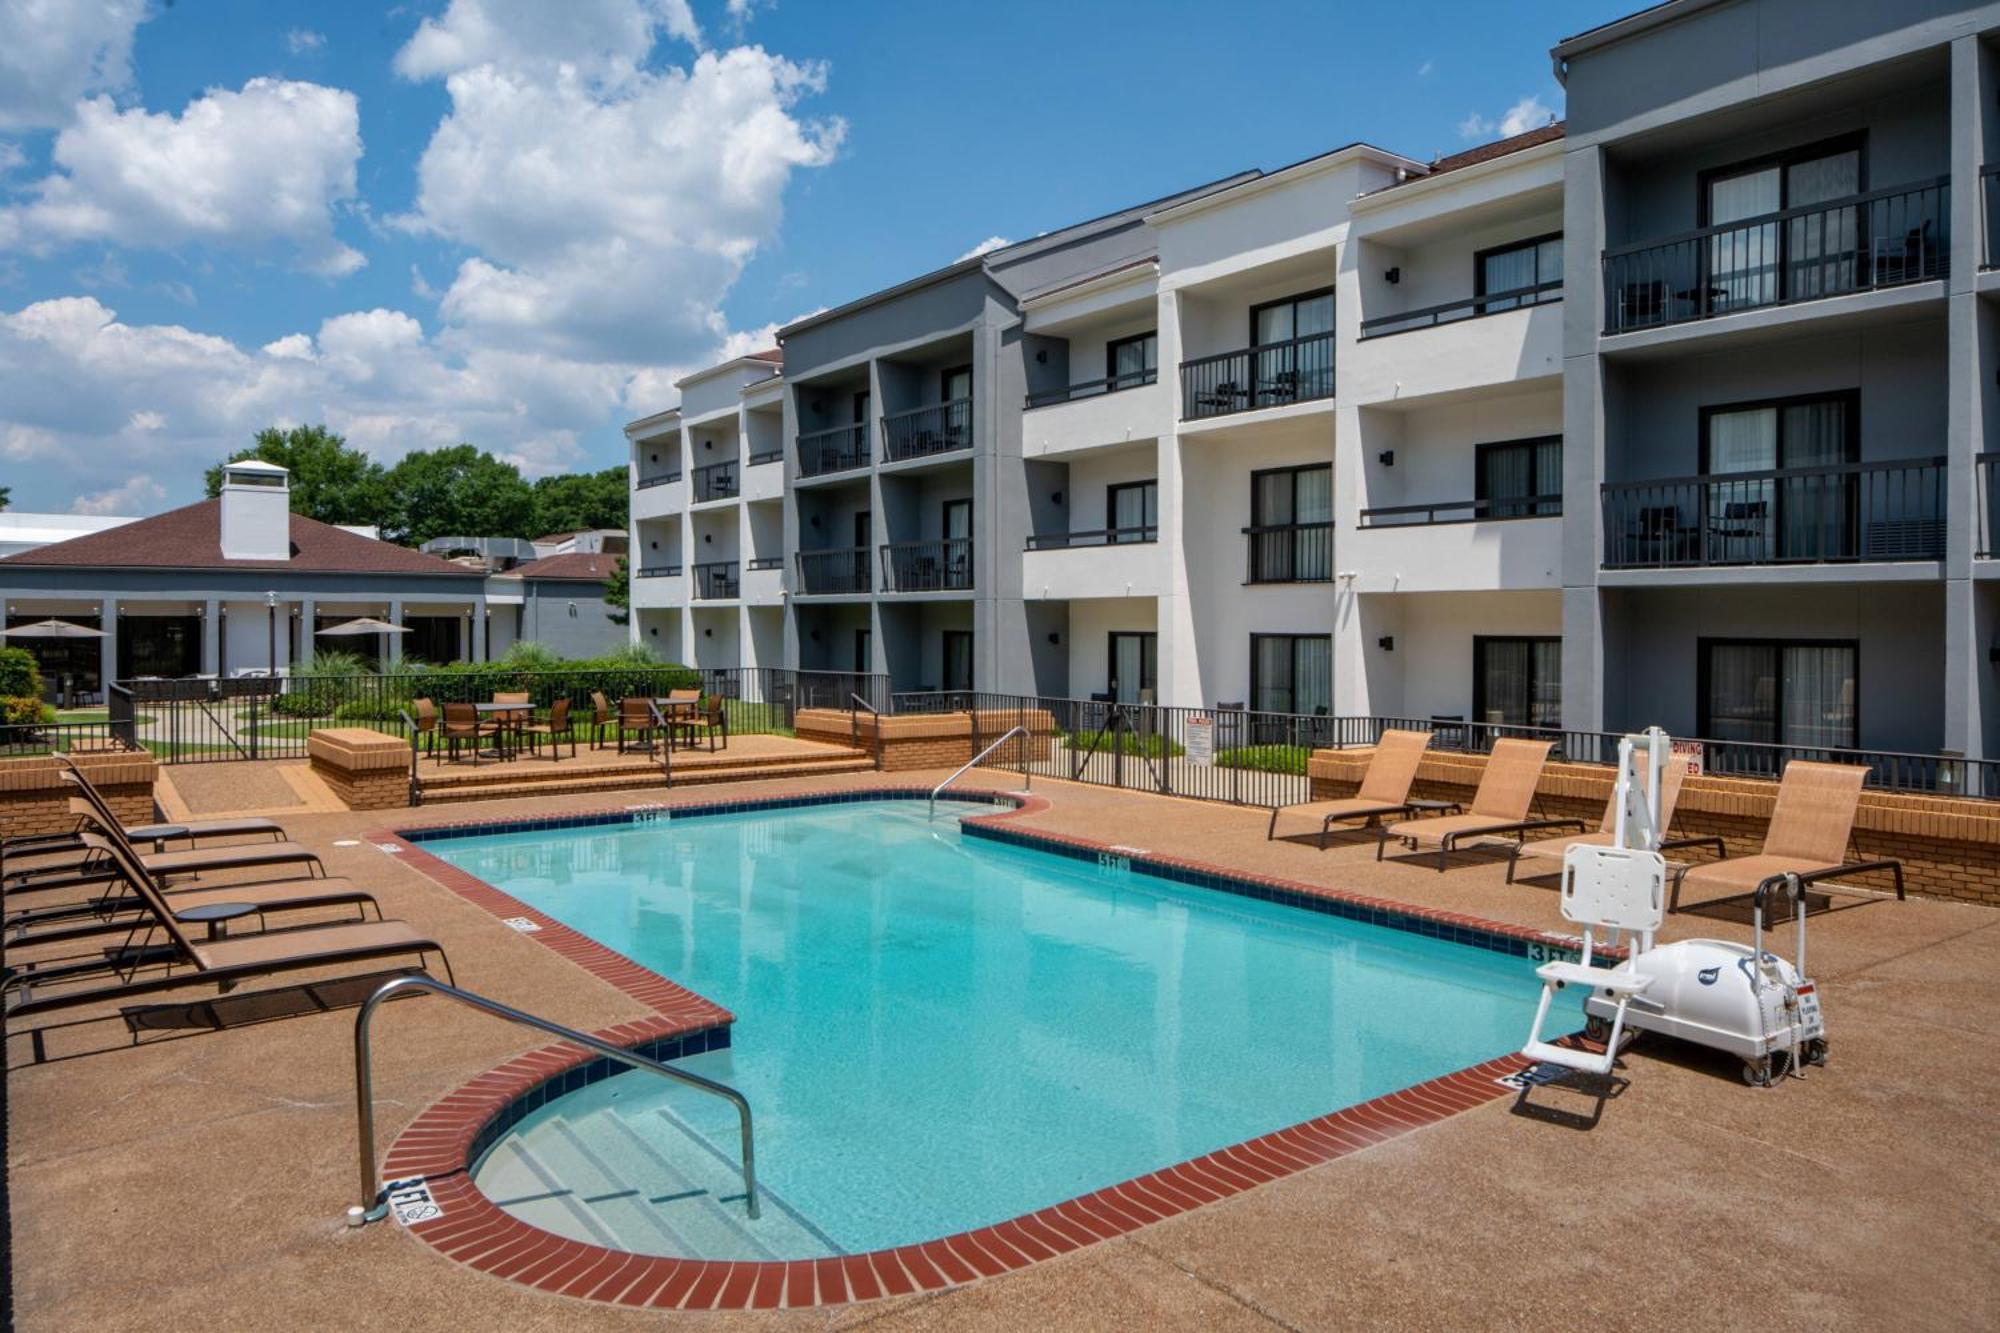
716 580
943 565
1458 546
921 432
1066 541
1989 188
1859 243
1109 562
1289 553
1987 502
716 481
766 456
1785 516
1451 312
841 449
659 571
659 479
1462 511
1298 370
839 571
1094 388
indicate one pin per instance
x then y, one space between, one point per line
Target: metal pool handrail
374 1203
973 763
854 731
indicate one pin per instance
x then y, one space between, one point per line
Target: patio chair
425 714
1810 829
511 721
554 730
192 831
1385 787
90 868
1500 805
1670 795
462 726
713 722
635 723
219 962
600 718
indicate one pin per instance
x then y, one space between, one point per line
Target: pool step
439 793
624 1170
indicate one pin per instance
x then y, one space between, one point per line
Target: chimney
256 511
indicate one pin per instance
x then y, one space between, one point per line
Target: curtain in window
1743 261
1742 692
1312 672
1816 510
1545 688
1271 507
1134 663
1312 502
1271 669
1823 248
1740 527
1506 476
1818 694
1132 358
1134 507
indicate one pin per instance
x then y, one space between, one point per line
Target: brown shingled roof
191 538
576 565
1486 152
769 354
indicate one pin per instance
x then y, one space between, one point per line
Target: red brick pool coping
474 1231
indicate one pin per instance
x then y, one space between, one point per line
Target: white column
394 652
1180 661
211 637
479 630
107 659
1966 379
308 613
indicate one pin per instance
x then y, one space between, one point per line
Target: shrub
1147 747
1266 758
20 677
23 711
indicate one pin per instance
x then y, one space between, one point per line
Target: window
1758 518
1291 673
1780 692
955 384
1291 524
1132 511
861 408
1290 360
957 652
1520 478
165 645
1517 682
432 639
863 648
1811 255
1130 362
1518 267
1134 664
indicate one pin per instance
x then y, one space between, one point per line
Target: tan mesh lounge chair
91 867
1506 794
192 831
110 914
1553 848
1385 787
220 962
1808 837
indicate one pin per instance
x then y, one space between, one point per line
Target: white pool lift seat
1620 890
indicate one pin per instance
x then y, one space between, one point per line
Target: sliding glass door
1776 692
1815 254
1759 519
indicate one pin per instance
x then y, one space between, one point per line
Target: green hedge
1266 758
20 678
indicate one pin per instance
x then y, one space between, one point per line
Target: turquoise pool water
938 1031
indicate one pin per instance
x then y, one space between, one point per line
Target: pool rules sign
1199 737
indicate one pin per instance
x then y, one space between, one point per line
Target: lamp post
271 621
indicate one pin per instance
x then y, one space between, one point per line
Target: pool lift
1733 997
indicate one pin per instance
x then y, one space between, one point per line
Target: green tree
330 481
459 491
618 592
6 494
581 500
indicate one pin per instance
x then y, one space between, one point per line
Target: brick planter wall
1949 846
34 800
366 769
931 740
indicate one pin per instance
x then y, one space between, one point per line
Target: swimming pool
940 1031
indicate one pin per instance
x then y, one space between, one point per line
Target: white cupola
256 511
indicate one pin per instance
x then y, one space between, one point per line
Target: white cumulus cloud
1530 113
600 38
263 165
301 40
985 247
53 52
135 497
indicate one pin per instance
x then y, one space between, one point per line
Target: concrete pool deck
204 1176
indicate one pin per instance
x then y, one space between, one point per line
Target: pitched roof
575 565
1486 152
191 538
769 354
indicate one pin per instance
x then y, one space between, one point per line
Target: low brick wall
34 800
1949 846
930 740
366 769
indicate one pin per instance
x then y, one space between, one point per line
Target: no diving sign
411 1201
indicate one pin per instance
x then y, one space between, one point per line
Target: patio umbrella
365 625
52 629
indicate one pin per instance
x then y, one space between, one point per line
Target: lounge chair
1553 848
90 867
192 831
554 730
110 914
1500 806
1810 828
218 962
1385 787
711 721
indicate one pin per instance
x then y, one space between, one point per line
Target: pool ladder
374 1203
973 763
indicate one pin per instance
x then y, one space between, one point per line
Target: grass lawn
96 715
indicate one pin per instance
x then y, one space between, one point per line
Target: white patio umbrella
364 625
52 629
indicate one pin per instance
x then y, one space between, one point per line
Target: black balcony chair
1222 398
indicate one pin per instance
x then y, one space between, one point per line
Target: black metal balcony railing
764 456
1132 379
1295 371
659 571
1989 188
920 432
1884 238
942 565
715 578
1805 515
1462 511
1064 541
765 562
1471 307
659 479
716 481
1987 501
1289 553
840 449
845 570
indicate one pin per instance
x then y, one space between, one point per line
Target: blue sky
518 221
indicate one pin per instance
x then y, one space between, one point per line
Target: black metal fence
837 450
923 431
715 481
1288 553
943 565
716 578
1269 375
845 570
1470 307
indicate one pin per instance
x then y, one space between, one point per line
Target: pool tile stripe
442 1142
